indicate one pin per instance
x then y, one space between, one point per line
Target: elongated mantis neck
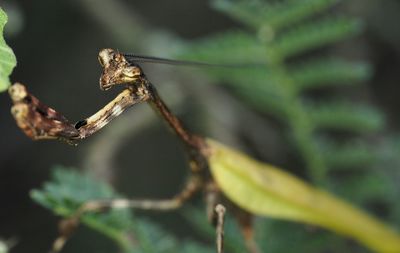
175 124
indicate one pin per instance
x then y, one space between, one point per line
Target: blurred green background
56 44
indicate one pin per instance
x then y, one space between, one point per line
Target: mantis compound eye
131 73
128 73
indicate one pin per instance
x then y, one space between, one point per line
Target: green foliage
346 155
345 116
277 15
7 57
311 36
320 73
289 36
281 34
280 30
274 236
69 189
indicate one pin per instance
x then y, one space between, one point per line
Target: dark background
56 44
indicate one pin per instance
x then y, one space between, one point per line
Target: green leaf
259 97
234 47
247 12
314 35
328 72
7 57
285 13
348 155
345 116
365 187
255 86
274 15
3 247
268 191
69 189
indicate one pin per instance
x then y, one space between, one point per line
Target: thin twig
220 211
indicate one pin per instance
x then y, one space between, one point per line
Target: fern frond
277 90
367 187
255 86
286 13
227 48
247 12
276 15
314 35
348 155
262 101
328 72
345 116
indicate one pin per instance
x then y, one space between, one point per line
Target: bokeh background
56 44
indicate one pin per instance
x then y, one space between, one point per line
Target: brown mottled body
113 109
117 70
40 122
37 120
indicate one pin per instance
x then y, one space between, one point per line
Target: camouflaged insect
37 120
117 70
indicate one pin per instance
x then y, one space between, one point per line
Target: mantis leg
69 225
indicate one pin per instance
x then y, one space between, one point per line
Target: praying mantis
228 179
40 122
